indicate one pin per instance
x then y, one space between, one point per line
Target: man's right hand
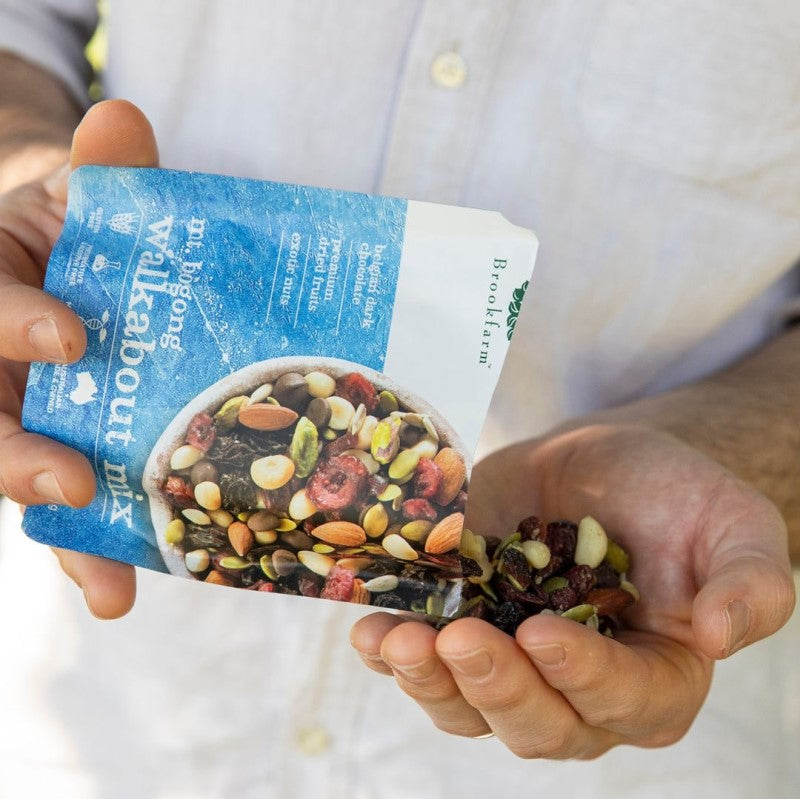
35 326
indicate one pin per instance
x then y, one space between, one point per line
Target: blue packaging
217 311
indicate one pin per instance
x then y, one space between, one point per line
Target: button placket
448 72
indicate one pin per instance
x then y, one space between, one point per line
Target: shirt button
449 70
313 740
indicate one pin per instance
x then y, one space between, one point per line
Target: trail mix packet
283 389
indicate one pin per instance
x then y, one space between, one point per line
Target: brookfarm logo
514 308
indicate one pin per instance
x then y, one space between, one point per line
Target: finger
498 679
35 470
644 688
109 587
410 650
747 588
367 635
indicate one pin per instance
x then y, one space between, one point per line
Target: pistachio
208 495
414 419
198 560
399 548
244 515
202 472
375 520
554 583
387 403
320 385
416 530
184 457
579 613
329 435
283 562
304 448
537 553
196 516
323 549
174 531
232 563
265 537
372 466
227 416
386 440
317 563
618 558
261 394
385 582
319 412
390 493
286 525
342 412
263 520
267 564
592 543
272 472
300 506
427 447
365 433
404 465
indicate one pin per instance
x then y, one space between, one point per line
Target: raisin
355 388
606 576
563 598
532 529
339 445
534 597
508 617
561 538
178 492
339 584
337 482
581 579
427 479
389 599
514 566
201 432
419 509
309 584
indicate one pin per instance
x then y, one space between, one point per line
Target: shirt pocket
705 89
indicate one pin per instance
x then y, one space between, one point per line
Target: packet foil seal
283 386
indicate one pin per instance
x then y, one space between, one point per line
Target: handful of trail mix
572 570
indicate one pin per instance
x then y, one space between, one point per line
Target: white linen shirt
654 148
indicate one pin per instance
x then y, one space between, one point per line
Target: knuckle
500 699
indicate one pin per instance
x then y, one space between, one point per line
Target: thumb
748 595
112 133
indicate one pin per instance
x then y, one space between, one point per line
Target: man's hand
36 327
709 559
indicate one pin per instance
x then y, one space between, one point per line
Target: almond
345 534
217 579
446 535
454 472
241 538
609 601
263 416
361 595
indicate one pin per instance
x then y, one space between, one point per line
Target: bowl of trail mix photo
315 477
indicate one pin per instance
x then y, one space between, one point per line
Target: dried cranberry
268 587
427 479
339 584
532 529
309 584
178 491
606 576
337 482
419 509
561 537
339 445
201 432
459 504
563 598
355 388
553 567
581 579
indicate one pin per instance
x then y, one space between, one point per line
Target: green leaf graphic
514 307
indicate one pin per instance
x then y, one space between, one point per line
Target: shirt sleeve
53 35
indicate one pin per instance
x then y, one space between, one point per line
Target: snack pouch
283 385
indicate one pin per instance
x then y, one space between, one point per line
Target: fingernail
548 654
46 486
471 664
737 619
45 338
415 671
